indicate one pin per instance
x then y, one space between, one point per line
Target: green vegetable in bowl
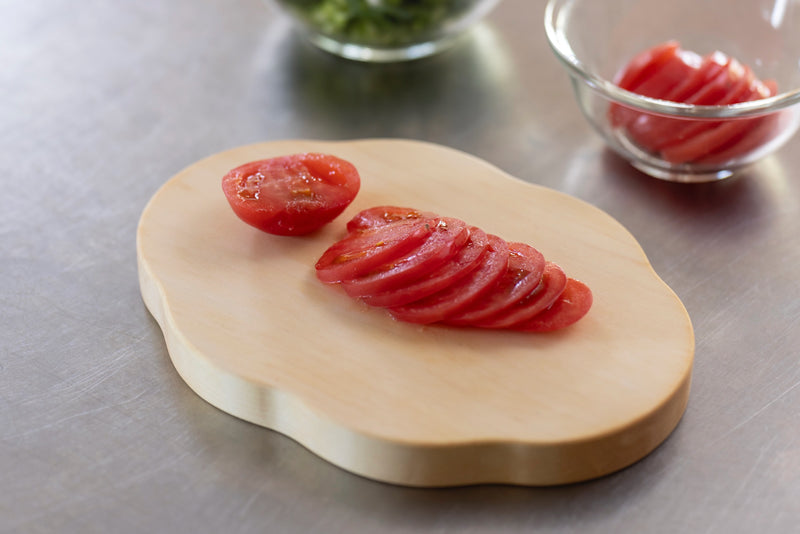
385 23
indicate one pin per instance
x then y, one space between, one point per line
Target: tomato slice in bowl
523 274
573 303
453 298
291 195
554 281
448 237
361 252
644 64
462 263
380 215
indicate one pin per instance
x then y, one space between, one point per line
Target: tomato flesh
523 274
553 283
380 215
573 303
448 237
443 304
366 250
464 261
291 195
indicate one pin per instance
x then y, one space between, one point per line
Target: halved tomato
455 297
574 302
291 195
554 281
448 237
361 252
523 274
448 274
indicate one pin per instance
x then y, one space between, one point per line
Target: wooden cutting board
252 331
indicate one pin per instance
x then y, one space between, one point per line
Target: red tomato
451 272
554 280
457 296
363 251
571 306
448 237
380 215
523 274
291 195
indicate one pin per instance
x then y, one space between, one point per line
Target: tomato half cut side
554 281
462 263
361 252
453 298
572 305
448 237
380 215
523 274
291 195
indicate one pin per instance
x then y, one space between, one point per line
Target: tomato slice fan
423 268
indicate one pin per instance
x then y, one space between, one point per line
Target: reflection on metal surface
334 97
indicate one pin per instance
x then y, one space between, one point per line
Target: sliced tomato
523 274
291 195
759 132
648 74
652 132
380 215
448 237
738 82
572 305
554 281
455 297
363 251
644 64
448 274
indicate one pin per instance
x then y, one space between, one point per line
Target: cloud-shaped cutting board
253 332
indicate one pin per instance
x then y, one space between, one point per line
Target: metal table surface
101 102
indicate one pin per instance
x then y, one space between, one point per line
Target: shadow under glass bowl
595 40
384 30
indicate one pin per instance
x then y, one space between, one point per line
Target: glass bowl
385 30
595 40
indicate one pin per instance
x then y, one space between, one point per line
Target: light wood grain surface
251 330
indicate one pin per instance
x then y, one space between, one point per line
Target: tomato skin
365 250
571 306
291 195
464 261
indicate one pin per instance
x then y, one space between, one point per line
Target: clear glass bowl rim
563 51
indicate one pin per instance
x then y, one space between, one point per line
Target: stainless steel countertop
101 102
